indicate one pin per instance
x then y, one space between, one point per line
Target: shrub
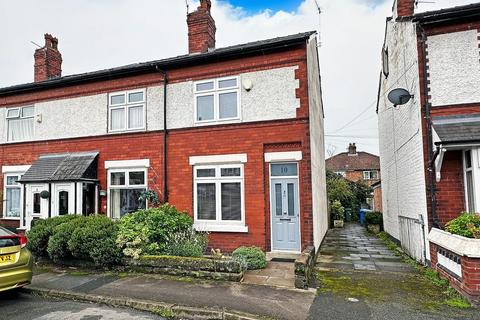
337 210
40 233
146 232
466 225
253 256
187 244
58 243
96 241
374 217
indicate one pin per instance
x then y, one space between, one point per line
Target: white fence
412 237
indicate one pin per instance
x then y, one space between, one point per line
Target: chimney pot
352 149
201 29
48 60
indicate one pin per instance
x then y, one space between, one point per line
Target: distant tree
350 194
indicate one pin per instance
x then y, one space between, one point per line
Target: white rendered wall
317 146
454 68
272 97
400 133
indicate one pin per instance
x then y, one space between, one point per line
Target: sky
99 34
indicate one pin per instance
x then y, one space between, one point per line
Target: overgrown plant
146 232
374 217
466 225
188 243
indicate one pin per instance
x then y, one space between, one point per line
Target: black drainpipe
428 120
165 133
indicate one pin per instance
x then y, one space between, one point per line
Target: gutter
165 133
428 120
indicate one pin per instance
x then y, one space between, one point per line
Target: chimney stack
405 8
48 60
201 29
352 149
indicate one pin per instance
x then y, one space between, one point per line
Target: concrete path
264 301
360 278
278 274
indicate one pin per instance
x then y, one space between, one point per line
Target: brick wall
469 284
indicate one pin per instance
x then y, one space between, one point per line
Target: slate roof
361 161
256 47
62 167
458 128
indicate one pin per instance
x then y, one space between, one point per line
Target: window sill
11 218
216 122
220 227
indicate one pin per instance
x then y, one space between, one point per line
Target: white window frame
126 106
20 116
15 186
474 153
368 175
219 225
216 92
127 184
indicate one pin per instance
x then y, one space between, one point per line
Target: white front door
63 199
36 207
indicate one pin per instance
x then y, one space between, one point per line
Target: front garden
156 240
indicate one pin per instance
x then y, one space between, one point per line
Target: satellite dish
399 96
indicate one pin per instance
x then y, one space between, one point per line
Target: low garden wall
305 268
457 258
205 267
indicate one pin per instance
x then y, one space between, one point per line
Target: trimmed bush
254 257
58 243
146 232
40 233
466 225
96 240
374 217
187 244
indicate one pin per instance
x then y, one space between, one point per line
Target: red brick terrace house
233 136
359 166
429 143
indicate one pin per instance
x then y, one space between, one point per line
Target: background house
233 136
429 152
356 166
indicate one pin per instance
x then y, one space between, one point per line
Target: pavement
15 305
174 292
360 278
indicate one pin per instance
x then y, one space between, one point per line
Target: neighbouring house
233 136
356 166
429 143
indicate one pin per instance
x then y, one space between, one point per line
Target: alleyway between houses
360 278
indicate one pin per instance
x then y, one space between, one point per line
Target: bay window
217 100
124 189
126 110
20 123
219 195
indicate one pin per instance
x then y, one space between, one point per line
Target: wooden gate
412 237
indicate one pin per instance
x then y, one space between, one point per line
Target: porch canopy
454 132
80 166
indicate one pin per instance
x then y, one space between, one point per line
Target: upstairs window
126 110
385 65
217 100
370 175
20 123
